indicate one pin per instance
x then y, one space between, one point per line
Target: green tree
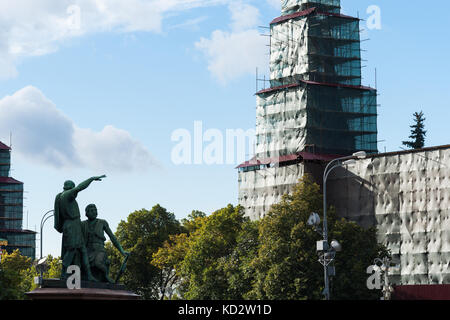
168 260
238 266
53 271
194 221
170 257
287 266
214 254
418 133
14 282
142 235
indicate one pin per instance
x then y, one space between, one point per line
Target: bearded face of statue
91 212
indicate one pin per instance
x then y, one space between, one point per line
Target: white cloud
243 16
233 54
32 28
190 24
43 134
238 52
111 149
275 3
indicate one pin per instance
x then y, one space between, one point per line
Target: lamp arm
43 217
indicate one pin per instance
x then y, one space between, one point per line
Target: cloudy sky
91 87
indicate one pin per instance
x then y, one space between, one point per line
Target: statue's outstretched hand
99 178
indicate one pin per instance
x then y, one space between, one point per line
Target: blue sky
104 96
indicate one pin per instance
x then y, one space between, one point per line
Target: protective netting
315 102
25 242
289 50
11 206
316 47
11 197
406 195
11 211
335 120
5 164
281 117
289 6
341 120
259 189
334 48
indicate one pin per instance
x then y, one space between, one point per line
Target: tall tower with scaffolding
315 108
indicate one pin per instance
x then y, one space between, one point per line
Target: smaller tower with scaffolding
11 210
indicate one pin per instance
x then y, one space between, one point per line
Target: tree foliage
14 278
287 266
418 132
142 235
194 221
168 259
210 250
226 256
52 270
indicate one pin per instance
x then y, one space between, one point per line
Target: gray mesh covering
289 6
407 196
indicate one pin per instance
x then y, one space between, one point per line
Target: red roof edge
339 15
293 15
283 159
422 292
337 85
17 231
4 146
308 12
286 86
9 180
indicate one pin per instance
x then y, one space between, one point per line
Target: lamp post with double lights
327 252
41 263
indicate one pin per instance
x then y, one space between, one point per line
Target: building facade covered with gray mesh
316 110
406 195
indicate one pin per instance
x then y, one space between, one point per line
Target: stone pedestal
55 289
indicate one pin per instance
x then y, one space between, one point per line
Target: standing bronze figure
68 222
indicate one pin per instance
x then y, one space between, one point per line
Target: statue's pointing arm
86 183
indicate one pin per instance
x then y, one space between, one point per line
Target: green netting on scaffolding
334 50
24 241
5 163
341 120
291 6
11 206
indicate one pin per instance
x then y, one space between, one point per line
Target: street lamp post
43 220
336 163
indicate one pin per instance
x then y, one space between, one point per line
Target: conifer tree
418 133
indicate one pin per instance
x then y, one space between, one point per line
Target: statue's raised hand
99 178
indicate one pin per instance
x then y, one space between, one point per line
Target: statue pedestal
55 289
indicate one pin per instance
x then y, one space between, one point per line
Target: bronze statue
94 230
68 222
